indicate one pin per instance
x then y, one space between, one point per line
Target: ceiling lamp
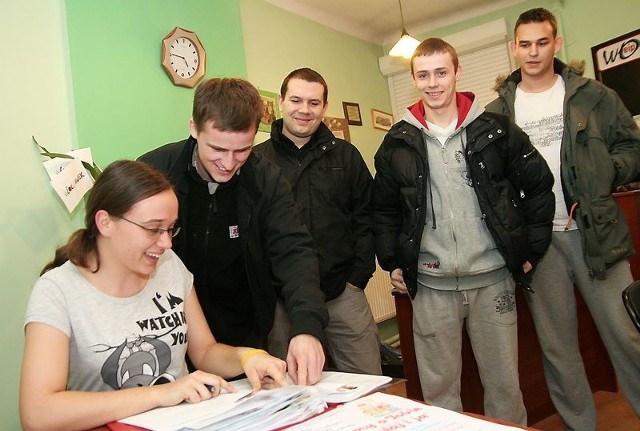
406 45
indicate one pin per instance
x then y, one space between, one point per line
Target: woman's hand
192 388
263 370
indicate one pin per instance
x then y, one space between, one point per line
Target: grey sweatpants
490 313
553 308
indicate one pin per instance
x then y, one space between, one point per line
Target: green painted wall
125 102
93 78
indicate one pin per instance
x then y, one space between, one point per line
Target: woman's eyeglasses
156 231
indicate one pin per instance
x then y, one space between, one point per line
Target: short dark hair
432 46
119 187
306 74
538 14
232 104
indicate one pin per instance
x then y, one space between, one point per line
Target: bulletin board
616 63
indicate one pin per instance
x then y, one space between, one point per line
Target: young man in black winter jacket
331 184
463 208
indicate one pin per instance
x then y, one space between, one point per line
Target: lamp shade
405 46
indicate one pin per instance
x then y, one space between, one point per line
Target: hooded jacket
511 181
600 149
277 248
332 186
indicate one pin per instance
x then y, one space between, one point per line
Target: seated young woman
110 320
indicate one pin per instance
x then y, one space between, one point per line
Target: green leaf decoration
93 169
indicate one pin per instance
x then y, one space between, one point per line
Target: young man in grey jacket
463 208
591 144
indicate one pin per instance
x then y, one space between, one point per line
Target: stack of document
264 410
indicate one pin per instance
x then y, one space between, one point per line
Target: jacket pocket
611 232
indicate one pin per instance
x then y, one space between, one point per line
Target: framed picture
616 64
352 113
338 127
381 120
270 110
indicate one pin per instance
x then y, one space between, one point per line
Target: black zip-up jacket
278 250
332 186
512 182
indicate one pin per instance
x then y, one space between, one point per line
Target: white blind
480 68
402 93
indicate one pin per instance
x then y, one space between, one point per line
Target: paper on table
265 410
269 410
183 415
336 387
378 411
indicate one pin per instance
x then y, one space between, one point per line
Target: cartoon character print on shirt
140 362
144 359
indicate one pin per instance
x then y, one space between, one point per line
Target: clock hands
179 56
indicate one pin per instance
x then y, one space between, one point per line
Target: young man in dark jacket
591 144
331 184
463 206
241 234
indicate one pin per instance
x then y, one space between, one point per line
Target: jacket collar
323 134
464 102
572 79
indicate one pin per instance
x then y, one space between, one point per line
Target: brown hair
435 45
306 74
118 188
232 104
537 14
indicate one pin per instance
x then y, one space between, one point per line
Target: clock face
184 57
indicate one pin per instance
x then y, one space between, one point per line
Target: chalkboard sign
617 65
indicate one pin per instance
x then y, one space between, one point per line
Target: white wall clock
183 57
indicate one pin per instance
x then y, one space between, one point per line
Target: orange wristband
250 353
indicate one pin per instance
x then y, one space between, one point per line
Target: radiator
378 294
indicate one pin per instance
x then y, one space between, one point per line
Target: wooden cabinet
630 204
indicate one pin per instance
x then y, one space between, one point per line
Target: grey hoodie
457 251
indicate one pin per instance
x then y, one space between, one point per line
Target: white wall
35 99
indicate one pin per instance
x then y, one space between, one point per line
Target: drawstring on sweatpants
465 300
573 207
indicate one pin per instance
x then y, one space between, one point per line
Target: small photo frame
338 127
352 113
381 120
270 110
